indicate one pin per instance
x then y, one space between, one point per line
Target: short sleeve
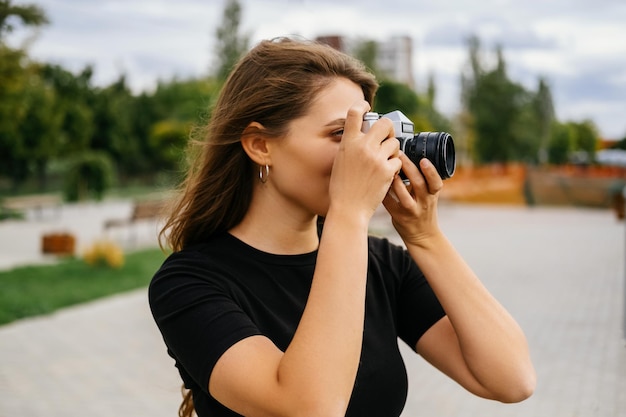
416 305
196 315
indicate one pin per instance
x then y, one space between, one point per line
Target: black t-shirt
208 297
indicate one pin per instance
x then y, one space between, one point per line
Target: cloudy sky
578 46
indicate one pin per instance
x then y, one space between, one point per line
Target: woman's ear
254 143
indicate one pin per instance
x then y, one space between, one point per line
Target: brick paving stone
560 272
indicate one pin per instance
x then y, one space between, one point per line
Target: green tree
366 51
177 107
544 111
620 144
573 141
428 110
41 129
431 91
114 117
29 119
90 173
492 105
231 45
393 95
32 114
499 110
561 143
585 138
185 100
74 98
168 140
143 114
28 14
13 82
526 140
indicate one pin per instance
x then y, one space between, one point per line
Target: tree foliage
73 102
90 174
510 123
55 122
49 115
28 14
573 142
393 95
14 76
496 105
561 144
366 51
231 45
543 108
620 144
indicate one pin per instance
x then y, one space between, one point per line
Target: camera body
437 147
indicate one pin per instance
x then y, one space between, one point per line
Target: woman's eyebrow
336 122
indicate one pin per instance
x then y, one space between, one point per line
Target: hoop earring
263 176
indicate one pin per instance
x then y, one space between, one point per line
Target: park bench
143 210
38 203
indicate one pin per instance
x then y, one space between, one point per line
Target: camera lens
437 147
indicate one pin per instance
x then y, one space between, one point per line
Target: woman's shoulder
215 247
390 258
382 247
196 259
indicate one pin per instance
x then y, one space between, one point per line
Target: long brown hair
273 84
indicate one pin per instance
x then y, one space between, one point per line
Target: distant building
394 57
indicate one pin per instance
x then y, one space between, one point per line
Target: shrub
104 253
89 173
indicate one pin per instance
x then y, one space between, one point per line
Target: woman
266 312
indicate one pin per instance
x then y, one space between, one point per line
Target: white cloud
578 45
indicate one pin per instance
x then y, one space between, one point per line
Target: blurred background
98 100
533 93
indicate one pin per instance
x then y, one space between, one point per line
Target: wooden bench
37 203
142 210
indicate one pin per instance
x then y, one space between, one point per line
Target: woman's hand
413 208
365 164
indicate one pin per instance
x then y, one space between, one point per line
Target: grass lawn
35 290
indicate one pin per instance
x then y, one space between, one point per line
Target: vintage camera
438 147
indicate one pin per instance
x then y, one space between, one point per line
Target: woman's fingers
354 119
433 180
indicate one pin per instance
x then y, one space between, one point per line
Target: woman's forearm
323 358
492 344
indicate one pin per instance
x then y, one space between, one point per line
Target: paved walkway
559 271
